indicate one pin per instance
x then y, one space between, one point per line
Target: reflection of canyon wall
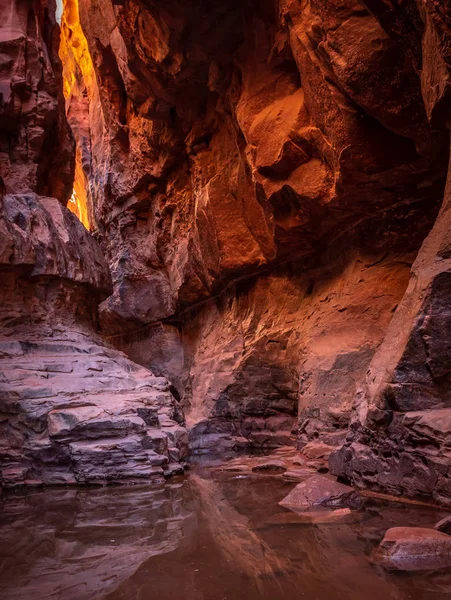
262 176
87 542
241 547
196 538
36 148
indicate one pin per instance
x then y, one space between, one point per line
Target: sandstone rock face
399 438
36 146
261 176
72 410
263 179
282 343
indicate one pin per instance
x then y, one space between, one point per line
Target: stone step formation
72 409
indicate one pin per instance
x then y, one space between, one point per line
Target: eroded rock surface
72 410
399 437
264 179
320 491
36 146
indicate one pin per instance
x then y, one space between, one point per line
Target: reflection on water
205 538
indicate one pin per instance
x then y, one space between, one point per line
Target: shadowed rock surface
36 145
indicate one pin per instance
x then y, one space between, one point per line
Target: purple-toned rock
73 410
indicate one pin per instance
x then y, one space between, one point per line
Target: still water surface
205 537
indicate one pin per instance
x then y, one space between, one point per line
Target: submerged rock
298 474
319 517
414 549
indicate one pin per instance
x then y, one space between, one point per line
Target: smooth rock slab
414 549
320 491
77 428
298 474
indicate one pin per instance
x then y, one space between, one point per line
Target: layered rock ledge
72 409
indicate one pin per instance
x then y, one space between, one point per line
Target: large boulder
414 549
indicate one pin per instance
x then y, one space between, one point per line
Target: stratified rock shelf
72 410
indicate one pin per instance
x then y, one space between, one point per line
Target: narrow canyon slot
225 252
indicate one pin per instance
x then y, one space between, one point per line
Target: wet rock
270 466
320 491
414 549
235 468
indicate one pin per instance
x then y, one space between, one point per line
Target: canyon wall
36 145
261 176
399 436
265 181
72 409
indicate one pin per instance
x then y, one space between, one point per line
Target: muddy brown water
208 536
